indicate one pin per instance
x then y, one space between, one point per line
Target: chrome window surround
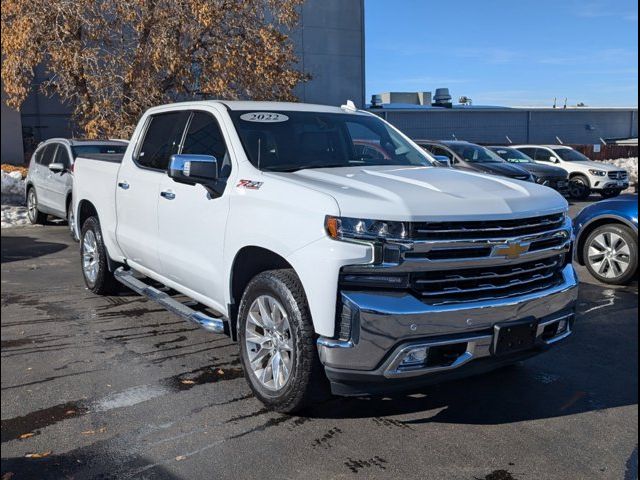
478 346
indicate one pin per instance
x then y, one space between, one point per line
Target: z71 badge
250 184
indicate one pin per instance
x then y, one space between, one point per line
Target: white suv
50 177
585 175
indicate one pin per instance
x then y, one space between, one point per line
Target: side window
530 152
48 153
543 155
204 137
62 156
442 151
162 139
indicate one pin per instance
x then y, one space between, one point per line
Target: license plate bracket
511 337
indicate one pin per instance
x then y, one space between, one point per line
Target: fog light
414 357
563 325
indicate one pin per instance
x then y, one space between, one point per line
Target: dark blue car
607 239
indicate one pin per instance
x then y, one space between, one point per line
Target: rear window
80 150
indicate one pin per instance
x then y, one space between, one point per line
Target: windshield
512 155
475 153
290 141
570 155
80 150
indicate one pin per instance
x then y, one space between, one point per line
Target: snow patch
14 216
12 188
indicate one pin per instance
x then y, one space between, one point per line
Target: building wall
330 44
11 128
584 126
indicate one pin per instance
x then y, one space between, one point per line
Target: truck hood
428 193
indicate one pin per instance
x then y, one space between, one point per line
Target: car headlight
598 173
340 228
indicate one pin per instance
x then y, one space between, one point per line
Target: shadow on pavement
25 248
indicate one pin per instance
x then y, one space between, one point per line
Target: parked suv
585 175
50 178
468 156
547 175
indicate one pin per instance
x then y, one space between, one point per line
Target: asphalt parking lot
119 388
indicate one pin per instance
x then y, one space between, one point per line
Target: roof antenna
350 106
453 135
509 140
559 140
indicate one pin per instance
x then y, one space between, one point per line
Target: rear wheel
93 257
579 187
36 217
277 343
611 254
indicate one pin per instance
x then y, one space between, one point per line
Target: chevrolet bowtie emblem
511 250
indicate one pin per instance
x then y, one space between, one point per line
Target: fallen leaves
93 432
188 382
38 455
180 458
26 435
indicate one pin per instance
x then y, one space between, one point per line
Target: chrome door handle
123 185
168 195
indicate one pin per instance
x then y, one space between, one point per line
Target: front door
138 188
60 182
191 222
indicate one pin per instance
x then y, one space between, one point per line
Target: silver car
50 179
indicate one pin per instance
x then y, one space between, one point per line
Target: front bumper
387 324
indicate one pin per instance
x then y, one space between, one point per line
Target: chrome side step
211 324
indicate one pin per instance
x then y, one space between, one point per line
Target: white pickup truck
322 256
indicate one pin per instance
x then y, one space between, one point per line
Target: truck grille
488 229
473 284
618 175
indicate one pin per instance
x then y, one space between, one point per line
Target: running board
210 324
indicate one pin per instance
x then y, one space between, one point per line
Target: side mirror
193 169
553 159
57 167
443 160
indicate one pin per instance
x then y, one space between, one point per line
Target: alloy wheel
269 342
32 206
609 255
90 257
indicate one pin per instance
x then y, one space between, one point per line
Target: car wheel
609 193
93 258
36 217
611 254
579 187
277 343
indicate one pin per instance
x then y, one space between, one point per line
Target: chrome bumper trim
387 319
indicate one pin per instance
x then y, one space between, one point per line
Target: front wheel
579 187
93 256
611 254
277 342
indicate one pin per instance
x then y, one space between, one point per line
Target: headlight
598 173
340 228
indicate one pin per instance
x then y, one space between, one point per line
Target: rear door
138 187
43 182
60 182
192 223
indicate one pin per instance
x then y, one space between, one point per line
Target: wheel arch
592 225
248 262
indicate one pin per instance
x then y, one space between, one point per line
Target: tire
36 217
279 291
611 254
609 193
93 259
579 187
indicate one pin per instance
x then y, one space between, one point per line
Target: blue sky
506 52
